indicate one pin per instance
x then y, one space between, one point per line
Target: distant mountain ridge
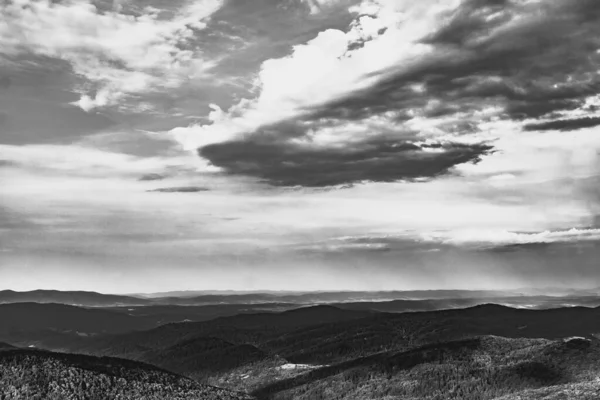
76 298
397 300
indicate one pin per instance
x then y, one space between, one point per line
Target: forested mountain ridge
481 368
42 375
323 352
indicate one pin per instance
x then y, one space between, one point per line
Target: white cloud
316 6
84 161
118 55
324 69
499 238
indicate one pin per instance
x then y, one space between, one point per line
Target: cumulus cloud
315 73
404 73
117 54
453 125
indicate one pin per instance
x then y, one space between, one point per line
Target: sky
155 145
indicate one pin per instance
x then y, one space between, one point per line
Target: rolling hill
32 374
204 357
329 343
481 368
323 352
325 335
53 325
6 346
240 329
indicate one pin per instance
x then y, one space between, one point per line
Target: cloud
439 71
493 238
406 242
118 55
289 164
443 120
181 189
316 72
81 161
526 59
564 124
152 177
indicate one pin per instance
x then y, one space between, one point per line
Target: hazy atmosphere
157 145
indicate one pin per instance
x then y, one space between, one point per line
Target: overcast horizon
153 145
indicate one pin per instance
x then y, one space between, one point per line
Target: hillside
6 346
256 346
54 326
482 368
207 349
43 324
203 357
32 375
239 329
164 314
331 343
324 352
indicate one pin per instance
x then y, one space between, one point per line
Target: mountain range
417 299
342 350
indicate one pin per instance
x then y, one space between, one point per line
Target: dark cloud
181 189
289 164
527 60
252 32
564 124
531 59
152 177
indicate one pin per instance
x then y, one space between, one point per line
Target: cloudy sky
152 145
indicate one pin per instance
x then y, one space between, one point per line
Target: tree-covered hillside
482 368
40 375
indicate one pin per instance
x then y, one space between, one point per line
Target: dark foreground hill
40 375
